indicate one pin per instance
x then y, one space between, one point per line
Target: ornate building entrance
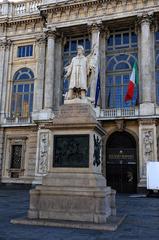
121 162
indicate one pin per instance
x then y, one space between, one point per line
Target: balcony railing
17 118
119 113
20 8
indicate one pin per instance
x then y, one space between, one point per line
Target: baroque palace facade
37 39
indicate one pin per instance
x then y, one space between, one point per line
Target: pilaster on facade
146 60
147 147
94 30
39 81
1 149
104 35
59 66
50 69
43 109
4 65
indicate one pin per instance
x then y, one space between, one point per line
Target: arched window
22 94
121 56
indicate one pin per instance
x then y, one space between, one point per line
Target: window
25 51
121 56
16 160
16 156
70 51
157 66
22 94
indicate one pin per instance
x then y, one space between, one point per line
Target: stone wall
27 137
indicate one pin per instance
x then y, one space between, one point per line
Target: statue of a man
77 72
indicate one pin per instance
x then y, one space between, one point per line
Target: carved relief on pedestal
147 148
97 151
43 153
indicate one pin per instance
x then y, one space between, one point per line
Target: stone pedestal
74 188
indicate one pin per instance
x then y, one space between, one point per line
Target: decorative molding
148 147
120 125
146 17
5 43
147 122
50 32
43 153
41 39
97 150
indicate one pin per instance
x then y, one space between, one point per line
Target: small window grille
16 157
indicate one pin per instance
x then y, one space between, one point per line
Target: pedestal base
73 197
112 224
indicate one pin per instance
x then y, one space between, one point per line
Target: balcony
115 113
17 118
21 8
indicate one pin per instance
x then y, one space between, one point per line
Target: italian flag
134 79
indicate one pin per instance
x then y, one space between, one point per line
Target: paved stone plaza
142 221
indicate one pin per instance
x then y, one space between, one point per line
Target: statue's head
80 50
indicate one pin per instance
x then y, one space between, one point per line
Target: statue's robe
78 72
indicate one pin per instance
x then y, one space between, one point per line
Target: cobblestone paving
142 221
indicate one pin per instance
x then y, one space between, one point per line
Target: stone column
50 70
95 38
58 87
103 45
1 149
4 75
40 77
2 57
146 65
147 147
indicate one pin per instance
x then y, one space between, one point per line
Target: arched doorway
121 163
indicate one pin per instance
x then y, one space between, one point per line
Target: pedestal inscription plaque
71 151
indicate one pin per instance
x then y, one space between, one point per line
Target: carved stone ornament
120 125
97 152
5 43
43 154
147 148
41 39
